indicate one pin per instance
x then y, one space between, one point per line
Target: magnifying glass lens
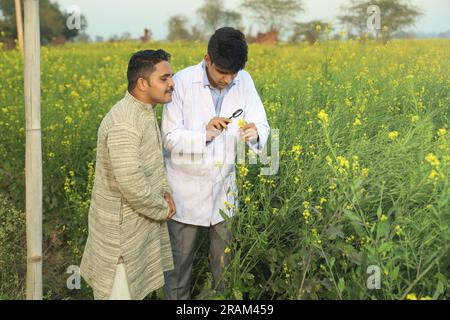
237 113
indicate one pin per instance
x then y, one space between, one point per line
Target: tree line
283 18
276 18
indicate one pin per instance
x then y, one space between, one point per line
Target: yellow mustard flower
432 159
241 123
365 172
393 135
323 117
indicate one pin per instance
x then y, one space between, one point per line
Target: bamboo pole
19 24
33 151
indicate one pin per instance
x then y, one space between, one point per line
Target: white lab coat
202 175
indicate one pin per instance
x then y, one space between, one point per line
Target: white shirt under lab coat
202 175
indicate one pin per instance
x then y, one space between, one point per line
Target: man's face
218 78
161 84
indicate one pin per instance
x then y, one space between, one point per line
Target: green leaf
358 229
351 215
384 247
439 290
394 273
333 232
383 229
379 212
354 255
341 285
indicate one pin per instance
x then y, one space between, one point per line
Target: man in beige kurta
128 246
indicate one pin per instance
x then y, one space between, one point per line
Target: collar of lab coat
198 76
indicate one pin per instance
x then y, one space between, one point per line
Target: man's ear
207 60
142 84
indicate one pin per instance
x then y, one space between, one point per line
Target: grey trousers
183 239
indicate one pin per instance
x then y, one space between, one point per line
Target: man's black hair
142 64
228 49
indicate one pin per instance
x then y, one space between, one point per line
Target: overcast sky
114 17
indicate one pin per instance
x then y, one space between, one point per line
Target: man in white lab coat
200 142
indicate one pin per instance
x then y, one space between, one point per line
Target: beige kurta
128 210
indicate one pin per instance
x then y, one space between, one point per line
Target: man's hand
215 127
249 133
218 123
171 204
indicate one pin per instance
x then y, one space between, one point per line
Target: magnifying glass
236 114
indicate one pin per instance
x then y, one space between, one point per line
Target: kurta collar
129 98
